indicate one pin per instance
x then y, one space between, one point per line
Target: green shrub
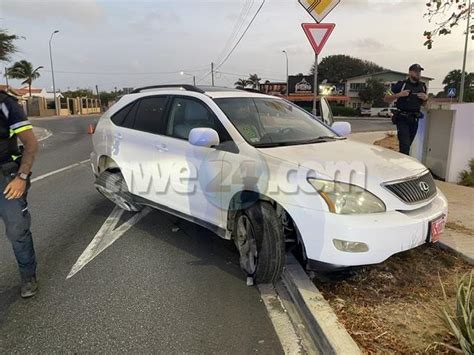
459 320
338 110
466 178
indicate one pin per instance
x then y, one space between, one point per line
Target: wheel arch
245 198
107 163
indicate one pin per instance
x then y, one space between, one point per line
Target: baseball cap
416 67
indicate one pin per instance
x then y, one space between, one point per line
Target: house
357 83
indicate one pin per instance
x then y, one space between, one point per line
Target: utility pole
98 96
52 74
6 76
463 73
315 97
212 73
287 77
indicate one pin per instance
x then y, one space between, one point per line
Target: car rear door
136 144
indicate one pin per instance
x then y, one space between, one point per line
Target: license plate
437 228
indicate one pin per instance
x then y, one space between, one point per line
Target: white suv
261 171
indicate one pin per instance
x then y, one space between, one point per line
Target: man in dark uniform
410 95
15 170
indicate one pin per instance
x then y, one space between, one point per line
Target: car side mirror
342 128
203 137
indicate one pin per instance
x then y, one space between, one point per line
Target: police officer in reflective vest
15 165
410 95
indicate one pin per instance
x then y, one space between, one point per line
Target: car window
186 114
126 116
151 114
265 121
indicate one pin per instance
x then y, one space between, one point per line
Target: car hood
377 164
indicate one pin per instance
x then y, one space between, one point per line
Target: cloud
84 12
370 45
155 20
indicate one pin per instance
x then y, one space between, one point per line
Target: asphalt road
156 289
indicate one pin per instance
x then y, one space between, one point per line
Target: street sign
318 9
452 92
318 34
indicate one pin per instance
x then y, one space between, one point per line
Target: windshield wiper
309 141
330 137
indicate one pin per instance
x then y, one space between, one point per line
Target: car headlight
343 198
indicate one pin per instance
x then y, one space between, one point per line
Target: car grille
415 189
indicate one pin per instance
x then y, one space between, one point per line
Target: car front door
195 172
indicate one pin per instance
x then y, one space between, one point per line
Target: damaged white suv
261 171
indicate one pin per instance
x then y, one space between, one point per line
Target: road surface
165 286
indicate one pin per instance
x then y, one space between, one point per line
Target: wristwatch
23 176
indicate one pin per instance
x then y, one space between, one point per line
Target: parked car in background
260 171
386 112
365 112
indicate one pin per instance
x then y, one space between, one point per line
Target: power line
242 36
237 27
124 73
237 43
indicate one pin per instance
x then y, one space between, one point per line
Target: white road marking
41 177
284 329
106 236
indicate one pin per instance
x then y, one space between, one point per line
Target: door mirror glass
203 137
342 128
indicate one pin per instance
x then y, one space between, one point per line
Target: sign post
315 96
318 34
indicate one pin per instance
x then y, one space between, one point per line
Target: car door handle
161 147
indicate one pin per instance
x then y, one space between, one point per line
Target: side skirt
221 232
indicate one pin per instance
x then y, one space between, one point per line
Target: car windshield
267 122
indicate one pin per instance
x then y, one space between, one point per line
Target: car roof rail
181 86
250 90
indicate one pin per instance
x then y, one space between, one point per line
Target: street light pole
287 77
52 73
194 77
463 73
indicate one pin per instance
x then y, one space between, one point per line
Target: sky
116 44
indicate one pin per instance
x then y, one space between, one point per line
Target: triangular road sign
318 34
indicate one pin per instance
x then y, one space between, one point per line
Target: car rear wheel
258 237
112 186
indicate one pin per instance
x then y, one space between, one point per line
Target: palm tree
7 47
241 83
23 70
254 80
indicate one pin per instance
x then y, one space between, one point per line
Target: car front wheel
258 237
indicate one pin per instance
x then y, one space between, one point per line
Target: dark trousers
17 221
407 128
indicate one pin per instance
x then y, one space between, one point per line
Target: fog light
350 247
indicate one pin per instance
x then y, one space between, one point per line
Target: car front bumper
385 234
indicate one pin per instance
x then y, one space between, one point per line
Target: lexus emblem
424 186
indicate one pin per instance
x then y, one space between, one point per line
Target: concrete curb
327 332
463 256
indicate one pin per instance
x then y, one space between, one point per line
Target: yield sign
318 9
318 34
